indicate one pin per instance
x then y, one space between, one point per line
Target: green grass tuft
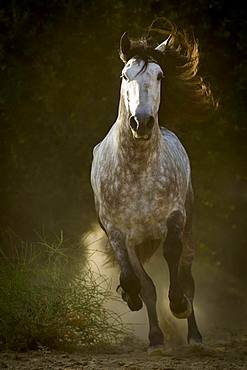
43 303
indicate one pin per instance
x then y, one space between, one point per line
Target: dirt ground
224 348
221 309
220 355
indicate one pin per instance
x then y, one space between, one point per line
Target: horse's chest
137 200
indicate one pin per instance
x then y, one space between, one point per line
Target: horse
141 179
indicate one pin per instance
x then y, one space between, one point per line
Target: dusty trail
219 355
221 307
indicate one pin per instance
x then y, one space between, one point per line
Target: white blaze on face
141 89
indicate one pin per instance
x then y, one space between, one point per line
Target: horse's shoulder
95 149
106 142
169 135
175 148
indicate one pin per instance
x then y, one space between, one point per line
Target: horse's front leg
179 303
187 281
129 282
148 294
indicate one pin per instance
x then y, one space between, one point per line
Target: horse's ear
162 47
124 47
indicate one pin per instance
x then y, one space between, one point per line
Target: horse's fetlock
156 337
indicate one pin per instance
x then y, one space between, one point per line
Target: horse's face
141 91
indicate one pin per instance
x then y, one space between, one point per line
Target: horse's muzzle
141 126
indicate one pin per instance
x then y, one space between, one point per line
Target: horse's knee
175 222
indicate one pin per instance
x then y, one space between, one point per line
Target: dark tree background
59 72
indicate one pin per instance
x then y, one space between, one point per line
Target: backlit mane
186 95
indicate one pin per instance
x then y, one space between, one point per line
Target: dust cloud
216 296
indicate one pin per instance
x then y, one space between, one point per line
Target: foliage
42 303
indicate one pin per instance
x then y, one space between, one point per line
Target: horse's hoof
186 309
158 350
135 304
195 339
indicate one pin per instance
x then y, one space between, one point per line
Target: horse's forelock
141 50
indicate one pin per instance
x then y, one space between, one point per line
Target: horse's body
141 180
136 189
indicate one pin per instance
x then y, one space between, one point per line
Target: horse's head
141 86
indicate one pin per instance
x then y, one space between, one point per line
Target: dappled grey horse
141 180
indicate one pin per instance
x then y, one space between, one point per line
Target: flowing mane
186 94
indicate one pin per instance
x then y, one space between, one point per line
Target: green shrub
42 303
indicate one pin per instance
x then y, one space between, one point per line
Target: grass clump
46 300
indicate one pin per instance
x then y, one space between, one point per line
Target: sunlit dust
95 242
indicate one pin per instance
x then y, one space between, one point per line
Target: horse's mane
186 95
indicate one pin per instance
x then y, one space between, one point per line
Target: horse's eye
160 76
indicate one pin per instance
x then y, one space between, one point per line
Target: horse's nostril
133 123
150 122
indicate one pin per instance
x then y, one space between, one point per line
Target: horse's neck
132 151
